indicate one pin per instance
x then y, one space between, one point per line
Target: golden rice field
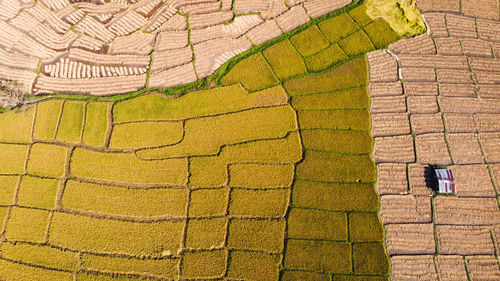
265 175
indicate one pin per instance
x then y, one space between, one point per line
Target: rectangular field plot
335 197
126 168
355 98
206 233
96 124
259 235
325 59
159 267
47 117
253 73
3 213
13 158
47 160
15 125
125 201
7 189
348 142
321 166
207 171
27 225
145 134
259 203
261 176
37 192
204 264
111 236
254 266
332 257
70 128
41 255
335 119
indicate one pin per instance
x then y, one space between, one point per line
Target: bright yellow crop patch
106 199
8 186
261 175
355 98
47 118
207 172
71 124
15 125
306 275
212 171
335 119
113 236
204 264
166 267
259 203
330 27
365 227
348 142
206 233
317 224
38 192
324 256
321 166
3 213
208 102
41 255
126 168
145 134
96 124
19 230
284 150
257 235
39 165
357 43
254 266
13 158
353 73
208 202
335 197
19 272
205 136
325 59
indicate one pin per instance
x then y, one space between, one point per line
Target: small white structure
445 180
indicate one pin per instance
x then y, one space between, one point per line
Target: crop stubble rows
106 48
436 100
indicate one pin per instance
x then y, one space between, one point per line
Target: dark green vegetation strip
333 228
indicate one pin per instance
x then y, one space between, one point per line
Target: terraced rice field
264 174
